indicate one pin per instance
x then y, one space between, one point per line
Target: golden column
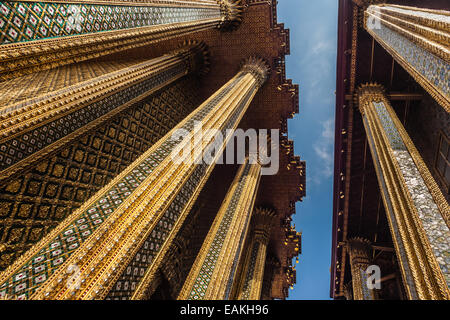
56 116
417 212
139 212
212 275
249 285
42 35
359 251
418 39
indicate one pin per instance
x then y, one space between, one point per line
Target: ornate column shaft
42 35
418 39
348 291
139 212
214 270
417 212
34 127
249 285
359 251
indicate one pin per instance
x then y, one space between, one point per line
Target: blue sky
312 64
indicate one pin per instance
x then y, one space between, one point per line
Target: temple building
392 159
92 205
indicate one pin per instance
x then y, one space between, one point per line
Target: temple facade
391 213
92 203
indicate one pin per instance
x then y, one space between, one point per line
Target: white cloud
322 46
324 151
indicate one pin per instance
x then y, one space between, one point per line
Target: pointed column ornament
36 35
418 39
359 251
139 212
416 209
34 127
250 285
212 275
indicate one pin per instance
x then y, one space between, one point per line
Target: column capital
368 93
258 67
196 54
348 291
231 11
359 249
263 219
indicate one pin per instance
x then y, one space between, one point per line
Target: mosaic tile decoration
203 279
41 266
247 287
435 70
390 213
125 286
432 220
236 259
24 145
27 21
366 291
419 14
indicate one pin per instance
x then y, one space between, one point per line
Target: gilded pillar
249 286
359 253
139 212
35 126
418 40
272 268
214 270
36 36
417 212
